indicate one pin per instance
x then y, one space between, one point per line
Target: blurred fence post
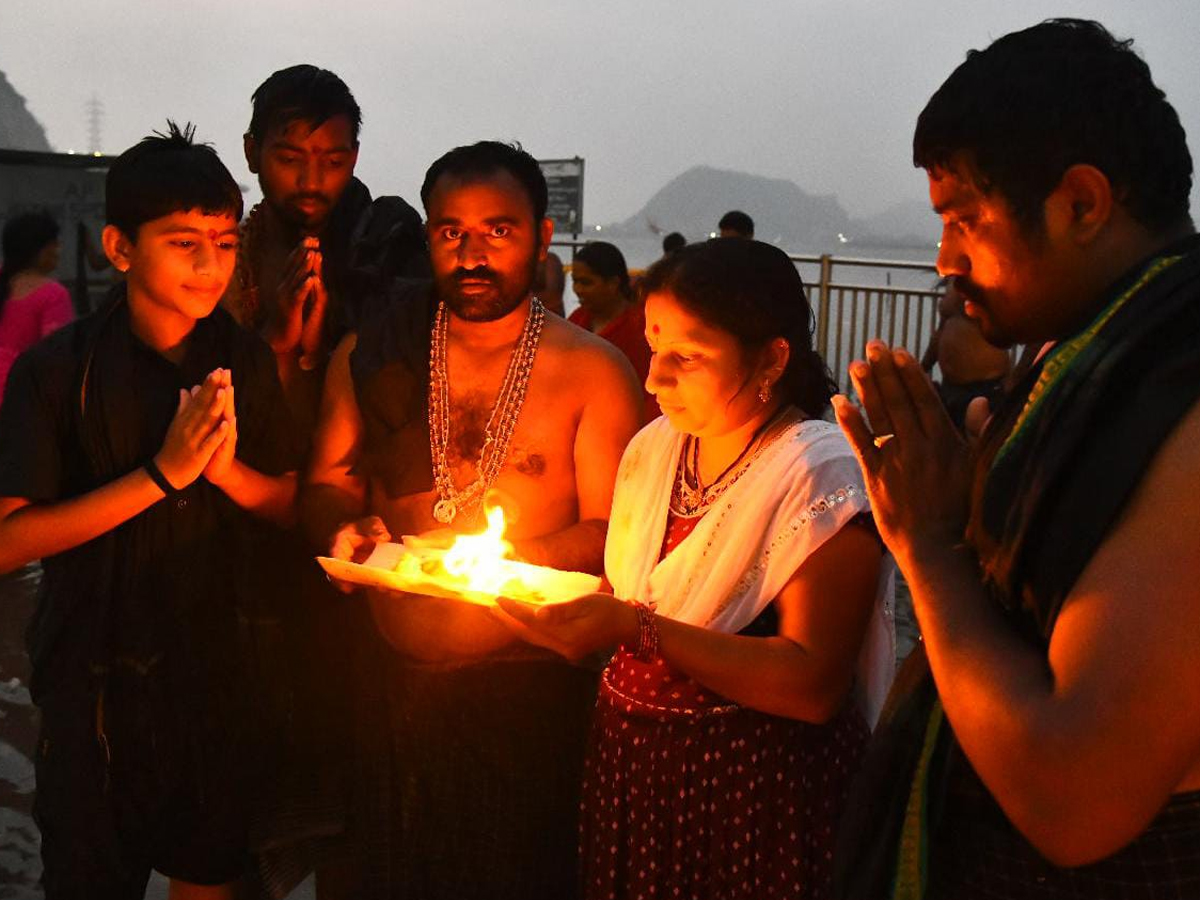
823 305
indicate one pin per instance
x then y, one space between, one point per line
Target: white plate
533 584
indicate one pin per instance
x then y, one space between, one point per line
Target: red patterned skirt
687 795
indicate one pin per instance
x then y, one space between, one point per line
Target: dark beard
504 295
301 223
967 289
992 333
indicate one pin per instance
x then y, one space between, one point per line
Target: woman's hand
574 629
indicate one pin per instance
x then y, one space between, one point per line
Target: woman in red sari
609 308
751 609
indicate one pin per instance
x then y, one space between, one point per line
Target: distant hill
783 213
911 223
19 130
693 202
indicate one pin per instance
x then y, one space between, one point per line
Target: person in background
609 308
752 603
551 283
315 253
736 223
673 242
318 247
32 304
970 366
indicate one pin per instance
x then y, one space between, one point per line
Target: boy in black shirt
127 467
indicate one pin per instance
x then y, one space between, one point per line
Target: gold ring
881 439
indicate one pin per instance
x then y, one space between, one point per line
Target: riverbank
20 864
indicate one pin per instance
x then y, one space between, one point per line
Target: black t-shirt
161 592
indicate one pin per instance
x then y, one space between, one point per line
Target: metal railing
850 312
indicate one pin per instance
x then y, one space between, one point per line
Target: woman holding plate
752 602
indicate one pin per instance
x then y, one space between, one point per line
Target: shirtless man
487 733
1055 752
970 366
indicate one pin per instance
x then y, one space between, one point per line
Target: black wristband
159 478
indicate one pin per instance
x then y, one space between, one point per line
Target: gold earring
764 392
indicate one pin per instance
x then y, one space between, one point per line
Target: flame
478 568
480 557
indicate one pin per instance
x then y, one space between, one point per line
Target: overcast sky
823 92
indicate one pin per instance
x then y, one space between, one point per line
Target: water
642 250
862 314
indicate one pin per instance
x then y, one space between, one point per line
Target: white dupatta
800 491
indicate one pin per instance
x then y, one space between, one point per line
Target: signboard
70 187
564 179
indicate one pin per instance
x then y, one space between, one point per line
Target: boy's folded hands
202 422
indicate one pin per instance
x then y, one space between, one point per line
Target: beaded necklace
249 237
691 497
501 423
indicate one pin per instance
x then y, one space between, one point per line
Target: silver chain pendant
445 511
501 423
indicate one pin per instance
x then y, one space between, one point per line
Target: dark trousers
117 796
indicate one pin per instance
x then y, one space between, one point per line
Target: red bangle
647 645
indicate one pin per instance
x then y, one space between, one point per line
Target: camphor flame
480 557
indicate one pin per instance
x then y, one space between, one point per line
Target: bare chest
536 473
